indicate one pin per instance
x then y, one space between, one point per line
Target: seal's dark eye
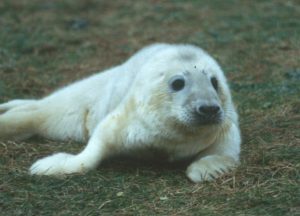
177 84
214 82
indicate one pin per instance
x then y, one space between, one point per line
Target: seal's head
189 87
195 98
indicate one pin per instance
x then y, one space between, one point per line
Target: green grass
47 44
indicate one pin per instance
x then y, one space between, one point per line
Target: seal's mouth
201 120
197 118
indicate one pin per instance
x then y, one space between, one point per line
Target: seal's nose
208 110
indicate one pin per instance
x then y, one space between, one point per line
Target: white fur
130 107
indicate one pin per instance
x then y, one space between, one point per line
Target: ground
47 44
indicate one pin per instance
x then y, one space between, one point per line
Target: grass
47 44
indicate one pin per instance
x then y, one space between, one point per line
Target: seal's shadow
131 164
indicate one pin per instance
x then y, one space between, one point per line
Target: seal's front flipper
98 148
210 168
219 158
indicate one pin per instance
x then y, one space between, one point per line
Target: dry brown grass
45 45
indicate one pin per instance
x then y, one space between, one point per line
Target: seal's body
172 98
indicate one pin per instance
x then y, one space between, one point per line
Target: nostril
209 110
